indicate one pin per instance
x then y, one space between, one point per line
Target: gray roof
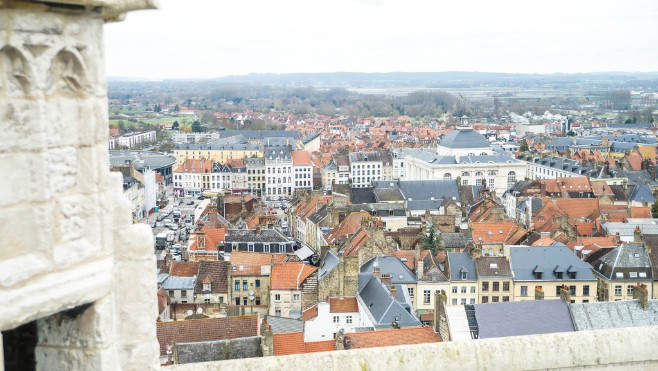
628 261
454 240
310 137
399 272
141 159
365 157
179 283
260 134
613 314
461 262
278 153
464 138
640 177
433 158
282 325
548 260
328 264
642 193
530 317
628 229
486 159
421 190
383 308
226 143
388 195
249 235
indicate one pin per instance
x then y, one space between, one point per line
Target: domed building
467 155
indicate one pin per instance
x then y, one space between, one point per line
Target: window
257 284
558 275
572 290
586 290
454 301
257 300
629 290
447 176
336 319
572 275
485 299
557 290
463 302
244 285
511 179
295 297
171 292
454 289
244 300
277 312
472 301
494 299
411 291
505 286
348 320
237 285
237 301
464 181
485 286
463 289
505 298
426 296
463 275
496 286
277 297
472 289
524 290
183 293
206 287
618 290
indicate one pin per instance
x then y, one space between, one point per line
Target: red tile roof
293 343
641 212
345 305
183 269
350 225
493 232
310 313
408 255
195 166
382 338
250 263
290 275
301 158
207 329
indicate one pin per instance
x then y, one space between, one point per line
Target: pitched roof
293 343
195 166
383 338
253 263
350 225
526 261
290 275
301 158
183 269
406 256
344 305
461 262
613 314
284 325
464 138
518 318
309 313
208 329
214 272
493 266
629 261
492 232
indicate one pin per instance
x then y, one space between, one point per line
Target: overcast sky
214 38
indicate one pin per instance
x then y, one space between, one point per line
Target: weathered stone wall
62 214
220 350
342 281
618 349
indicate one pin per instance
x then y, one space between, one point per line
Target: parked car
190 202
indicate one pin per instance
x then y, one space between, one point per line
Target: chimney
258 230
266 339
640 293
637 234
565 293
200 240
539 293
394 291
376 272
340 340
386 279
420 265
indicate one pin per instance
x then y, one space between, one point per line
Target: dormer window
572 275
558 275
207 286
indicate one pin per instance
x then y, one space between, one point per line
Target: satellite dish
251 292
251 297
189 312
199 310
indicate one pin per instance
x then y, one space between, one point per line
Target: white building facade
365 168
278 172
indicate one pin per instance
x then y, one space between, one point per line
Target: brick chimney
340 340
386 279
266 339
394 291
376 272
200 240
640 293
539 293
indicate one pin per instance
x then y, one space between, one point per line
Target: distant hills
449 79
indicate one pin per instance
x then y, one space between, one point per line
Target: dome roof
464 138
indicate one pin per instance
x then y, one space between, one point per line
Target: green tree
196 126
176 108
571 133
157 108
654 209
432 241
174 126
524 146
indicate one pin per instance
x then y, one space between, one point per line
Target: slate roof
383 308
217 270
460 262
627 262
651 240
640 177
525 260
249 235
328 264
627 229
493 266
142 159
486 159
278 153
208 329
383 338
464 138
362 196
530 317
454 240
179 283
613 314
399 272
642 193
260 134
364 157
283 325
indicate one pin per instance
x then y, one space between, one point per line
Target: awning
304 252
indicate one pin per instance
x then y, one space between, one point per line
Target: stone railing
618 349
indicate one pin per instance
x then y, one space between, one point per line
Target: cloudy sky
214 38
